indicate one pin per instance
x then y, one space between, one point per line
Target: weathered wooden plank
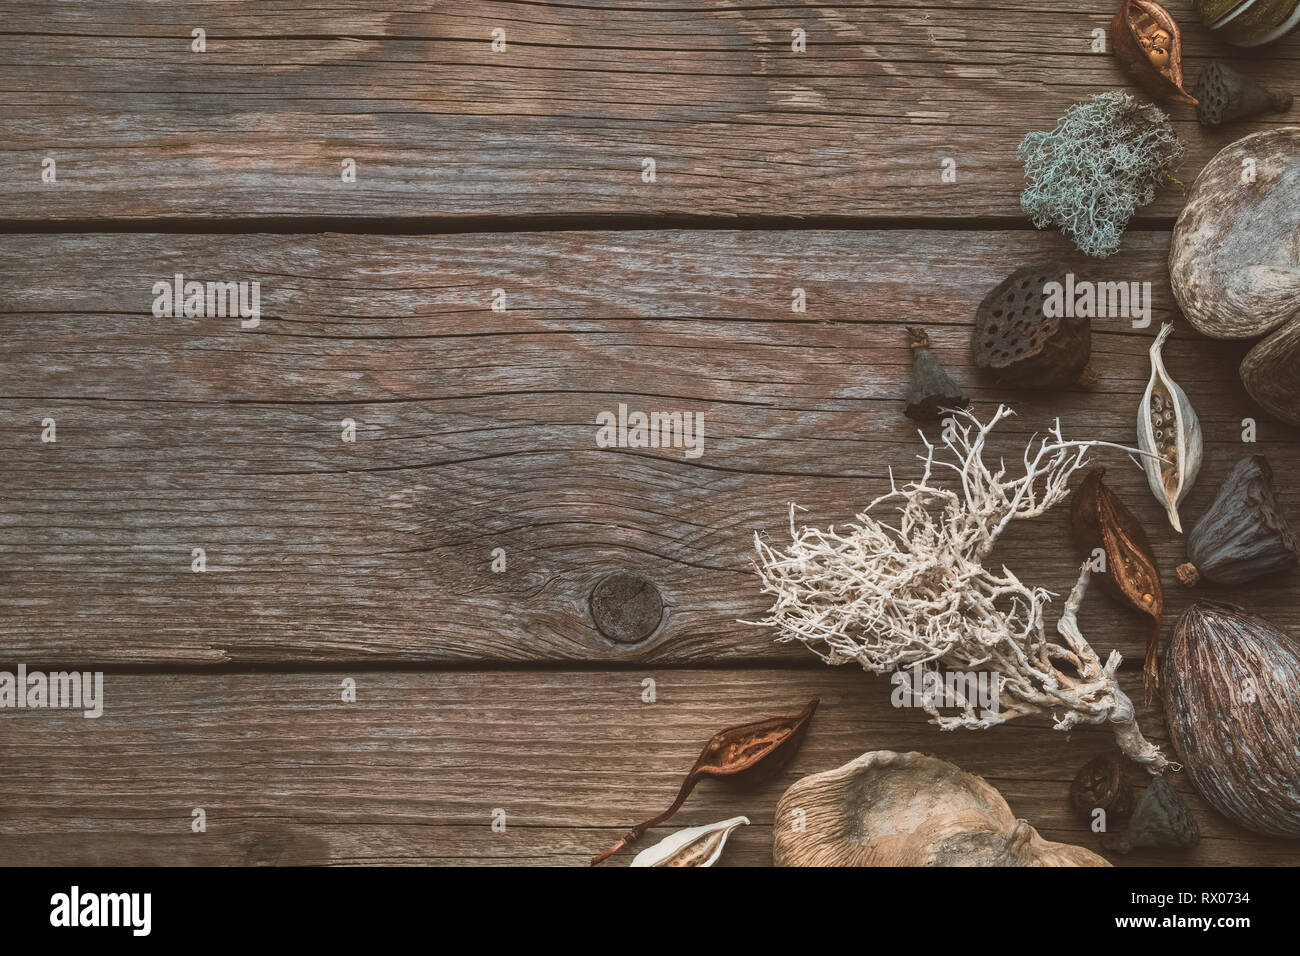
413 770
560 121
477 431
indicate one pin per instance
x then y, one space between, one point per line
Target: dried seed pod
932 388
747 754
1161 819
1149 47
1020 344
1102 785
1227 96
694 846
1271 373
1100 520
1231 690
1168 428
1245 534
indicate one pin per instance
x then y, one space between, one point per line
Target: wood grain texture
477 430
558 124
412 772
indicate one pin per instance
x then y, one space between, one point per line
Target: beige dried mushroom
892 809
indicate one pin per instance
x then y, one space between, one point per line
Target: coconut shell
1233 256
1271 373
1231 687
1249 22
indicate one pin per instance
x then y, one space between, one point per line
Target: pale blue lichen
1101 164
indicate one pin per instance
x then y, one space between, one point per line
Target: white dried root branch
917 592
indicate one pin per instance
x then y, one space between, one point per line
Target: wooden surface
518 171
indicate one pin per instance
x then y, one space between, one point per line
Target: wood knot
626 608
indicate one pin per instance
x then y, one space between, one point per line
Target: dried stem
917 593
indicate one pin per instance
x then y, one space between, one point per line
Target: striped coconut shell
1231 687
1249 22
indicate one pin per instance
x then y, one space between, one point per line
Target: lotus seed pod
1021 345
1227 96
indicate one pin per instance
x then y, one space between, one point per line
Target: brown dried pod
1102 785
747 754
1149 46
1160 819
1020 344
932 388
1231 690
1227 96
1100 520
1245 534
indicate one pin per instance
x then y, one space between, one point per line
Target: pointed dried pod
1160 819
1227 96
1245 534
1020 344
1102 785
1168 429
1100 520
1149 46
747 754
1231 691
932 388
694 846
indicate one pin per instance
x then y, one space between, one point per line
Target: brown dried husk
1244 535
1099 519
1164 83
1231 690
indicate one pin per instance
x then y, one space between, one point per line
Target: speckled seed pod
1023 346
1245 534
1231 687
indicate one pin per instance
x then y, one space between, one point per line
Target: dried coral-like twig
917 593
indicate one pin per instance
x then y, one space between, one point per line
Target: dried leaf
748 754
1100 520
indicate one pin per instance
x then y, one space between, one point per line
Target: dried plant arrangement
917 592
